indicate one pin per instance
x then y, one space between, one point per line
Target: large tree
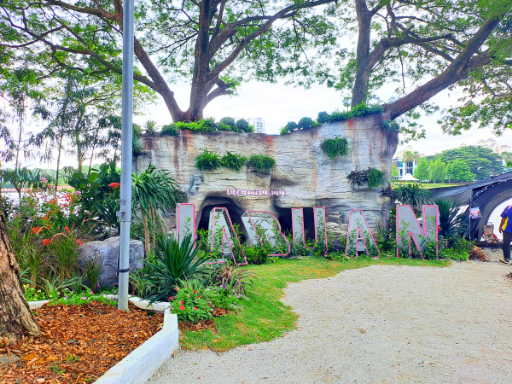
15 316
481 161
425 47
213 44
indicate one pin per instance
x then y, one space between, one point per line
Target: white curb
37 304
144 361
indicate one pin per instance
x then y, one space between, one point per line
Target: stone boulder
107 253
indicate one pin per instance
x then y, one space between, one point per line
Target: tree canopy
421 172
481 161
459 171
202 42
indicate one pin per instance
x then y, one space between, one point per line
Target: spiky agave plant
234 278
169 265
449 218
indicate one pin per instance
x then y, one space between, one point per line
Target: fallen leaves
78 343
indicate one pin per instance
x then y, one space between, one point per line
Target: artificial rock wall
308 176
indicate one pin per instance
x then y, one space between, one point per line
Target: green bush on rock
335 147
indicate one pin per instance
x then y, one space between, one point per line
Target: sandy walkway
382 324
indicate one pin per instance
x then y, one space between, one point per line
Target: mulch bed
78 344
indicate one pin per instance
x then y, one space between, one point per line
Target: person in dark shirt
506 228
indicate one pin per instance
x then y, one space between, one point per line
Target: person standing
506 228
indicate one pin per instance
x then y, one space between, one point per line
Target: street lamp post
125 210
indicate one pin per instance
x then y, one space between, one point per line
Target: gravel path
381 324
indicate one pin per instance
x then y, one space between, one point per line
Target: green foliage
284 131
459 170
422 169
256 254
335 147
413 194
168 130
390 125
323 117
291 125
208 160
437 170
234 279
394 171
358 111
481 161
449 219
228 121
262 163
233 161
170 264
150 126
190 303
372 176
243 126
84 297
306 122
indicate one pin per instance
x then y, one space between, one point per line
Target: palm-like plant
150 126
413 194
154 191
171 264
410 156
449 219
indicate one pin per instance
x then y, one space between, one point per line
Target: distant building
493 146
405 167
258 123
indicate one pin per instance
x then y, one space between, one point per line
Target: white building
258 123
405 167
493 146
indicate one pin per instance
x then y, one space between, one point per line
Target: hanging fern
335 147
372 176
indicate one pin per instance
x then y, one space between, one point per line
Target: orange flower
46 242
66 228
36 230
78 242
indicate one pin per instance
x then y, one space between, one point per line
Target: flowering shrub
190 304
224 297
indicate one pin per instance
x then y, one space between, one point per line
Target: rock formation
302 169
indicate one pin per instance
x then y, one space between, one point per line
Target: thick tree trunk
15 316
364 20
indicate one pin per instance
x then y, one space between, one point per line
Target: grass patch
264 317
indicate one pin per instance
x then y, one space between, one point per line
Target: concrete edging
143 362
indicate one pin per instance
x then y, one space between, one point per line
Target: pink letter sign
359 235
407 227
299 237
222 232
264 226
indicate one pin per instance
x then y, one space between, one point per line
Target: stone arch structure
486 194
303 171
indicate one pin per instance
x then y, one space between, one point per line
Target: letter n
263 225
359 234
220 225
408 227
299 236
186 221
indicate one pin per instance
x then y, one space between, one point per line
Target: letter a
359 235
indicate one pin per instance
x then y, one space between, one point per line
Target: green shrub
449 219
208 125
228 121
372 176
291 125
335 147
190 303
262 163
233 161
359 110
168 130
243 125
375 178
413 194
137 146
224 127
463 245
390 125
323 117
208 160
150 127
233 279
256 255
306 122
284 131
171 264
